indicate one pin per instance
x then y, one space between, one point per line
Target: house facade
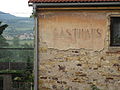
77 44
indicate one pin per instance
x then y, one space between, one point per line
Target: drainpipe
36 62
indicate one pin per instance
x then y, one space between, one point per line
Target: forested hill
18 34
17 25
4 16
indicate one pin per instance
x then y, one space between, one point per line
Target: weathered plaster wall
65 30
73 51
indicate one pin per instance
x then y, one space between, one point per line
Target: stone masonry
74 51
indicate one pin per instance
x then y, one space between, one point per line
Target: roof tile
58 1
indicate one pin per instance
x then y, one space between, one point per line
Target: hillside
18 34
4 16
17 25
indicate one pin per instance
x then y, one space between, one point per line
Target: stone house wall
74 51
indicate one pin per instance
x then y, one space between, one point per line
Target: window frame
110 47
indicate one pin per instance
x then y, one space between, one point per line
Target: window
115 31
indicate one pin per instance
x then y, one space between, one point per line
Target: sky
16 7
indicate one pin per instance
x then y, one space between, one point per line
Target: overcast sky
16 7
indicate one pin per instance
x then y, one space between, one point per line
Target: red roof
58 1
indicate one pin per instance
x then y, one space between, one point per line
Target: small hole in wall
49 72
54 86
75 51
118 58
79 64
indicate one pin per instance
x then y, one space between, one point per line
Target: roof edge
70 1
75 4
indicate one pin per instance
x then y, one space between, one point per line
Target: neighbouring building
11 74
77 44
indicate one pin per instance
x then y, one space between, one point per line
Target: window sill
113 50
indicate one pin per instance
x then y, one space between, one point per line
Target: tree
16 41
2 27
2 39
3 42
4 54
